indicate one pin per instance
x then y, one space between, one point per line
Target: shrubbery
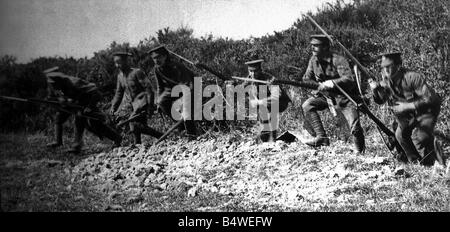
419 28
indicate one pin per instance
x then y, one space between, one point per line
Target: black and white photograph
224 106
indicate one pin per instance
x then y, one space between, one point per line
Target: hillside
223 169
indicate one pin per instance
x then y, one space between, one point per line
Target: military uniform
86 95
332 66
275 96
134 84
415 127
167 76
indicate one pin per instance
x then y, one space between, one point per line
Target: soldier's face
120 62
252 73
158 59
319 49
390 70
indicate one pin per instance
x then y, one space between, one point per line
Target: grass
34 178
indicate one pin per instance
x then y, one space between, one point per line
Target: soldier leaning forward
328 68
416 107
81 93
135 85
268 116
168 74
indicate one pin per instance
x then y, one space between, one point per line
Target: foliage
420 29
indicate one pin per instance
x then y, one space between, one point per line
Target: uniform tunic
415 129
335 67
133 85
168 76
84 94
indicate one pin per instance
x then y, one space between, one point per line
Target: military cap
122 54
254 64
319 39
387 58
160 49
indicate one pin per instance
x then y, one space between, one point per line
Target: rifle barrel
169 131
15 98
251 80
175 54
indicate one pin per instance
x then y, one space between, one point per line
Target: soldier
328 68
135 85
415 105
81 93
169 74
275 96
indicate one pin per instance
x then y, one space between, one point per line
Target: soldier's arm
426 97
345 73
186 76
146 84
159 84
309 74
118 95
275 93
380 94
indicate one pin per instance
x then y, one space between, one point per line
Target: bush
419 28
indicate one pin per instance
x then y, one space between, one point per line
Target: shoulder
313 59
411 76
267 76
338 58
177 65
136 71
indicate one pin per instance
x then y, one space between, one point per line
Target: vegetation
418 28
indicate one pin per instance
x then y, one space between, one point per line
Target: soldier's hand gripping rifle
65 107
392 143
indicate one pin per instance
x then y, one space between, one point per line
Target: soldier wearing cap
168 74
415 104
79 92
135 85
274 96
329 68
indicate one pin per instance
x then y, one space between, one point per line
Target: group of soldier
414 103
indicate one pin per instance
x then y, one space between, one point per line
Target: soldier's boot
321 138
111 134
267 136
150 131
137 137
58 137
191 130
360 145
78 143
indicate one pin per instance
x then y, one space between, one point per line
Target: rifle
303 84
363 107
56 104
393 143
132 118
201 66
175 126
